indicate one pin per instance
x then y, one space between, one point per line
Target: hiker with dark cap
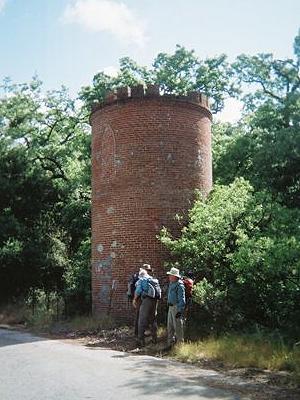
148 290
176 304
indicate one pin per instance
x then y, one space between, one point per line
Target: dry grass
243 351
44 320
13 314
78 326
162 331
91 324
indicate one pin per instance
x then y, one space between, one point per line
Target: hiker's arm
138 292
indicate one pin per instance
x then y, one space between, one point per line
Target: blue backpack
154 290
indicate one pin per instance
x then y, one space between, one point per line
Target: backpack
132 285
188 286
154 290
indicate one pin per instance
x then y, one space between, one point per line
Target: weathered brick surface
149 154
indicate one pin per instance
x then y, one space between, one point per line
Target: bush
77 278
244 250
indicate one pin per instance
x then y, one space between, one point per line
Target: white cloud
232 111
110 16
2 4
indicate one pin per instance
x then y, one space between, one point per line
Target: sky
68 41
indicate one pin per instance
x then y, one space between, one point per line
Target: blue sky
68 41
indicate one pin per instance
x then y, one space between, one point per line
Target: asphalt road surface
34 368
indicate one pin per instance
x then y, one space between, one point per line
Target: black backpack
132 285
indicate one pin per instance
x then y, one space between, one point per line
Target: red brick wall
149 154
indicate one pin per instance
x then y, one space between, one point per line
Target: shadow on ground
169 379
10 337
164 376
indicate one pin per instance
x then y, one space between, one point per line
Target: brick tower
149 154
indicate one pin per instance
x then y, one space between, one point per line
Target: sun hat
174 271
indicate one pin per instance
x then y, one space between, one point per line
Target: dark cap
147 267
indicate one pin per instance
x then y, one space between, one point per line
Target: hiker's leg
171 325
153 320
136 318
143 319
179 322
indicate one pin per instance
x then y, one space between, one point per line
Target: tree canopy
242 242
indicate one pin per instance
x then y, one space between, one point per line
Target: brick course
149 154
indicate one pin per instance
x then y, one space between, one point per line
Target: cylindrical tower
149 154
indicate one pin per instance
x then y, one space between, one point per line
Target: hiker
130 293
148 290
176 304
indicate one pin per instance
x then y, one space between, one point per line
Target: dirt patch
120 339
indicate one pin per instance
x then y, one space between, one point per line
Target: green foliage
264 146
244 249
183 72
274 88
242 242
269 160
177 73
45 181
43 309
29 243
78 280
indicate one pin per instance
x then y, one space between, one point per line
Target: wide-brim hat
174 271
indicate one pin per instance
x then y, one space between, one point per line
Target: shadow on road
9 337
162 379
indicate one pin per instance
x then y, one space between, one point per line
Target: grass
90 324
46 320
162 331
243 351
78 324
13 314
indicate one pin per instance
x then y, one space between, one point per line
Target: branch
267 91
66 139
52 129
60 175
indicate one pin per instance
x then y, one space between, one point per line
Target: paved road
34 368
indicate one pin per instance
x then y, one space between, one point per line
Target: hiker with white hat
176 303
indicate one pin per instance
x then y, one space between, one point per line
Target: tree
244 250
275 100
45 176
265 146
32 253
177 74
182 72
